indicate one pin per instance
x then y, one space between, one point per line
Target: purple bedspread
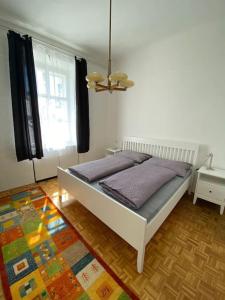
100 168
134 186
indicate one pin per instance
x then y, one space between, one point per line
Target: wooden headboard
168 149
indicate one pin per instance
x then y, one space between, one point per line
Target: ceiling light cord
110 37
112 81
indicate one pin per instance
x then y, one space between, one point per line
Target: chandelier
117 81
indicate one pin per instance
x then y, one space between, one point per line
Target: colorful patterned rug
44 257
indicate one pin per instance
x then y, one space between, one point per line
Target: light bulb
118 76
127 83
91 85
95 76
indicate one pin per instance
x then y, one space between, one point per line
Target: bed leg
140 259
190 186
221 209
60 195
189 190
195 199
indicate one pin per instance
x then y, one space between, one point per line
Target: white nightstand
112 151
211 186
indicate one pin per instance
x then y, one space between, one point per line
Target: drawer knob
210 191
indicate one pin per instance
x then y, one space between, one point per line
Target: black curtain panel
26 120
82 104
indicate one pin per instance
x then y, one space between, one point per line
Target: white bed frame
132 227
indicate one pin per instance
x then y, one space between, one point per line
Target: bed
135 227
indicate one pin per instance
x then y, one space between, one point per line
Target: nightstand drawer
211 190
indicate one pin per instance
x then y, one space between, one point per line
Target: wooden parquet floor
184 260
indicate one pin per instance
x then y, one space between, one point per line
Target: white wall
12 173
179 90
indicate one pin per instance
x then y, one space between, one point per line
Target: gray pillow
179 167
136 157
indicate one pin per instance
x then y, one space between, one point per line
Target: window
55 75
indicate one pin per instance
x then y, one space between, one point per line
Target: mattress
158 200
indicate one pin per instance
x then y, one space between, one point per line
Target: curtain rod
6 28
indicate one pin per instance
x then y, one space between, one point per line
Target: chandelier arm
110 89
113 86
100 89
119 89
101 85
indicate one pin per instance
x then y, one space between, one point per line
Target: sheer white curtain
55 75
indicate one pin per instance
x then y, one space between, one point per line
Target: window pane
57 85
41 81
55 125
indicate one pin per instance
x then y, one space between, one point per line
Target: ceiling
84 23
